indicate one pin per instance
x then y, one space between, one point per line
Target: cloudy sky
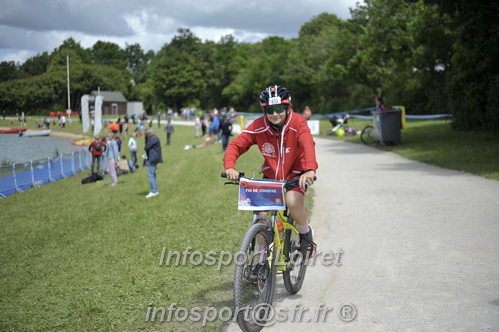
30 27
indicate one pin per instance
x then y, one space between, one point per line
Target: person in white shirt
132 145
197 125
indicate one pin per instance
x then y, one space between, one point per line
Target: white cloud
137 22
17 56
211 33
29 27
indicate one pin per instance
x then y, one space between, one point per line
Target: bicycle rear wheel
295 274
254 279
367 135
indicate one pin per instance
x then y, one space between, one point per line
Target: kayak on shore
82 142
12 130
35 133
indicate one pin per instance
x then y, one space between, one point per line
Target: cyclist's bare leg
296 205
260 240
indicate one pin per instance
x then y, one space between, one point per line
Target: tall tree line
432 56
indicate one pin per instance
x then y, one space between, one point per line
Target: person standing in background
226 132
380 104
132 146
97 148
169 130
113 158
118 142
216 125
307 113
204 125
197 125
153 152
120 126
104 157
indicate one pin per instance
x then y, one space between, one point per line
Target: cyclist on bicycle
285 141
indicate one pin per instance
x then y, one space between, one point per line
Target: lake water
21 149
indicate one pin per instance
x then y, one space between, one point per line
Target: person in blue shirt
216 126
169 130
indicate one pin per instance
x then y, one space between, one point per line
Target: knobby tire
293 279
259 296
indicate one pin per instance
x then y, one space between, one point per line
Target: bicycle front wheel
367 135
295 273
254 279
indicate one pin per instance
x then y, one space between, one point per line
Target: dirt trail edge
404 246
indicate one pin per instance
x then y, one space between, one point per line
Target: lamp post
68 111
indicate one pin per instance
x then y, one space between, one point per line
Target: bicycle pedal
314 249
252 283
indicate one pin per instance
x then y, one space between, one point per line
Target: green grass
86 257
435 142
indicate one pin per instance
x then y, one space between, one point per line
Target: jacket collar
284 126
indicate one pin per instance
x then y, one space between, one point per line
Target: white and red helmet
275 95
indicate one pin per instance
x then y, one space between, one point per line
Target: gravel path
416 247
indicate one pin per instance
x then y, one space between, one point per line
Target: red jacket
287 152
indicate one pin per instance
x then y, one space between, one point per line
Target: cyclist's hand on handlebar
232 174
307 178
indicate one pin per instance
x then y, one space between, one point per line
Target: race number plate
275 101
260 195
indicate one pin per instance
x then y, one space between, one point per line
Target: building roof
110 96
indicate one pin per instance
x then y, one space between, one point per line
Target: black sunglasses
276 108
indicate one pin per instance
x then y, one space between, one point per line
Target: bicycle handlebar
288 184
224 175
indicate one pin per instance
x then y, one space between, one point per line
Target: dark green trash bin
387 126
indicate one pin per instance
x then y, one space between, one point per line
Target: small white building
114 103
134 107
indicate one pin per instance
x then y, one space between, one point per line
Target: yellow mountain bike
271 244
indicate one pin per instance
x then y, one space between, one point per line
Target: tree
178 72
473 82
35 65
317 64
383 61
138 62
8 71
404 53
239 92
108 54
261 64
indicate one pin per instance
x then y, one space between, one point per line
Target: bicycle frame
254 272
281 264
277 247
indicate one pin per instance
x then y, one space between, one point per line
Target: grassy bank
86 257
435 142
